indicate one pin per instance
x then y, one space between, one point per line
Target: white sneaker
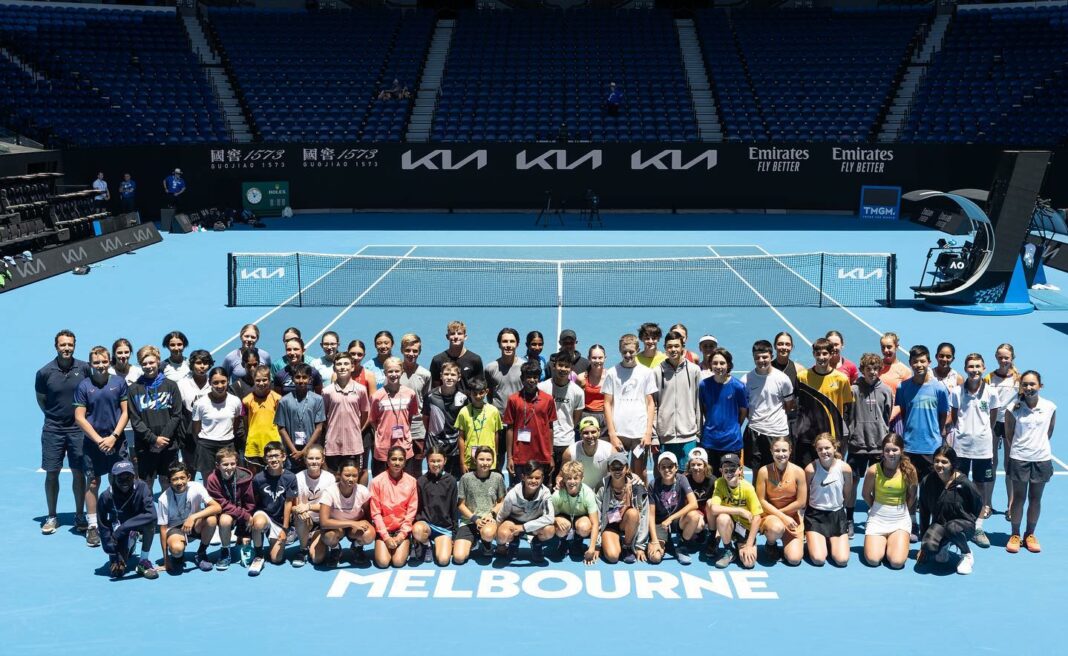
965 564
255 567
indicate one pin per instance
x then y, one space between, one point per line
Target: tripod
547 212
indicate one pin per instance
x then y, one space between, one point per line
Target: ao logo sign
263 273
859 273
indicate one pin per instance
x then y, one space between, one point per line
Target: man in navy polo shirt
60 436
128 193
174 186
100 411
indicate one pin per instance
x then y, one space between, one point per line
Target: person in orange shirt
394 501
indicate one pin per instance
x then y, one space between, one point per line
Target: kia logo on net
671 160
442 160
263 273
859 273
556 160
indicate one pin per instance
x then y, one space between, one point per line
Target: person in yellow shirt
260 407
478 423
649 333
736 511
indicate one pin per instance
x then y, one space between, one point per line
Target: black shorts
96 463
859 462
1021 471
758 449
828 523
155 463
468 532
205 455
980 470
923 462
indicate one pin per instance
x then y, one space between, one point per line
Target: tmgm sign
880 202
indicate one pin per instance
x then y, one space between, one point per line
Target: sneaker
333 557
914 536
563 547
81 523
50 526
773 551
246 553
175 566
712 549
256 566
300 560
577 549
147 569
850 529
420 552
943 555
986 512
1013 545
682 554
291 535
512 550
117 569
536 555
357 555
92 537
486 549
724 558
223 563
1031 542
629 557
203 564
980 539
966 563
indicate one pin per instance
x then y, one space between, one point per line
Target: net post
559 297
891 279
822 263
231 282
300 287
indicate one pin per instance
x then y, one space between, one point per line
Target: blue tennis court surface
60 598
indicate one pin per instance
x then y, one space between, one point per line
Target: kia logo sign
556 160
442 160
859 273
671 160
262 273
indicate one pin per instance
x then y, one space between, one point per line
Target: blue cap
123 467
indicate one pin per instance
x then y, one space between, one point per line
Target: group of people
315 452
174 187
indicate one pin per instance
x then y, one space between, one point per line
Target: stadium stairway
426 98
917 69
704 105
14 59
220 84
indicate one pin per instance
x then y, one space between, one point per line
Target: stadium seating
313 76
109 77
806 75
32 215
1001 77
518 75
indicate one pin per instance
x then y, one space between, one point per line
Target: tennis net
792 280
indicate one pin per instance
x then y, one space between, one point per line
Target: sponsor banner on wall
65 258
518 175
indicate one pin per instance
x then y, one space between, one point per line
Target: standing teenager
569 401
590 382
479 423
176 366
348 413
724 405
1006 383
629 406
678 409
155 404
1029 424
974 441
217 419
874 405
529 416
392 409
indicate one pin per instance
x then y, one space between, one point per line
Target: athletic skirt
884 520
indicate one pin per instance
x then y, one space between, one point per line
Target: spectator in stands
614 99
174 186
395 92
103 194
127 193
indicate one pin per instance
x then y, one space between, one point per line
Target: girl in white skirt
889 490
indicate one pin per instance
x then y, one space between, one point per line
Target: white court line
1059 462
830 298
745 282
284 303
360 297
